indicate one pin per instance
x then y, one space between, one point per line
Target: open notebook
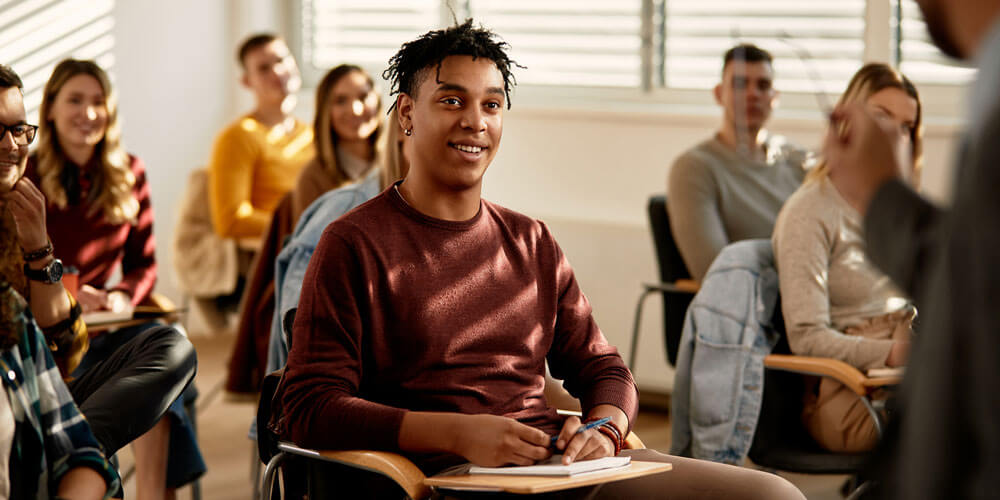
554 467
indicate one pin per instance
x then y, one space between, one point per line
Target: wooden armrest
394 466
826 367
158 302
679 286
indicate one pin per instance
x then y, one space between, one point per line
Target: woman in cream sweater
836 303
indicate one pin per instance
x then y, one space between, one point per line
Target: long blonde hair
324 133
113 182
870 79
395 166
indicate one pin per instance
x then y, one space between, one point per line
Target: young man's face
270 72
747 93
13 154
456 122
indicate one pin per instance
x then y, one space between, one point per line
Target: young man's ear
244 80
404 107
717 92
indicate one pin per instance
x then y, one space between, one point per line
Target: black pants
129 378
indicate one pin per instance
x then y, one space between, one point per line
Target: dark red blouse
95 247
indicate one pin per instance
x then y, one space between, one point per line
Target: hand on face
863 152
27 206
586 445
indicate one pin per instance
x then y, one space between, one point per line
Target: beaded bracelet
38 254
612 434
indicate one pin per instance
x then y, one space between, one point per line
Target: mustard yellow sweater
252 167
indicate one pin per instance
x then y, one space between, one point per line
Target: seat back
672 268
781 440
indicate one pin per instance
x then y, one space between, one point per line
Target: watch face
54 270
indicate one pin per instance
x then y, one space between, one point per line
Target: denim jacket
292 262
719 379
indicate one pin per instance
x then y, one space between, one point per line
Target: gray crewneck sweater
827 281
716 195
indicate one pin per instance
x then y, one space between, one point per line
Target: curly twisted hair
408 67
114 181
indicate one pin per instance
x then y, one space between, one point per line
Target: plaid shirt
51 435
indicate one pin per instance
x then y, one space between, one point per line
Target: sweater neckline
400 203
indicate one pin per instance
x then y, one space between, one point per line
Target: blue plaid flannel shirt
51 435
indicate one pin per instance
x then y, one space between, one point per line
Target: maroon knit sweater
400 311
95 247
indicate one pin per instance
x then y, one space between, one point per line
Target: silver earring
408 131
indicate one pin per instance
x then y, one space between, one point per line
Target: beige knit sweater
827 282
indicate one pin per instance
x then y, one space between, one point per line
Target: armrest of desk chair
394 466
826 367
679 286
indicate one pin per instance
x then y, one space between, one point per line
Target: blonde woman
347 134
99 219
836 303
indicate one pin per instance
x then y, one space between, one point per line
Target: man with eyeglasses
45 443
731 186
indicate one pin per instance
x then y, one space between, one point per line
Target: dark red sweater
400 311
95 247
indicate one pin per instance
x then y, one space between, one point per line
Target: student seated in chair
730 187
836 303
427 313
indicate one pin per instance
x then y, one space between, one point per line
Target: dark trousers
129 378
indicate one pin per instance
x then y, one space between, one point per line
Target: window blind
35 36
829 36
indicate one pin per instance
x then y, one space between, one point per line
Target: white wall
587 174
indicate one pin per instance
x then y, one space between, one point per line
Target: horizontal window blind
568 42
696 33
36 35
920 59
362 32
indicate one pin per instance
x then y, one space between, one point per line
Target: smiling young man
731 186
427 314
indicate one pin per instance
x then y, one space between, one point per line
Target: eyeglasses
22 133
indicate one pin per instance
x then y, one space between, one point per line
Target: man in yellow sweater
257 158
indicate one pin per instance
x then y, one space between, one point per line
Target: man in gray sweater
731 186
946 443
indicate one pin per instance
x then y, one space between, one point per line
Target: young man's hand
585 445
27 205
494 441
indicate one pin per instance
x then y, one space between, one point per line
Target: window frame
943 105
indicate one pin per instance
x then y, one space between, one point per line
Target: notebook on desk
554 467
523 484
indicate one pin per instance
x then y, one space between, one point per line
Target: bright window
35 36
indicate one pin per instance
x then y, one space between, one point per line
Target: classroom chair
311 463
675 287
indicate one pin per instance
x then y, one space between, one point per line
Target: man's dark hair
746 52
252 43
406 68
8 78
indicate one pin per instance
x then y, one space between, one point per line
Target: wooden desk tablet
542 484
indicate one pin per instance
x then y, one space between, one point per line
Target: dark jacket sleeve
902 230
139 263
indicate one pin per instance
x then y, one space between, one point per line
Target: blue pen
596 423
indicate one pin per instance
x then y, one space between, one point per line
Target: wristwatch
51 273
